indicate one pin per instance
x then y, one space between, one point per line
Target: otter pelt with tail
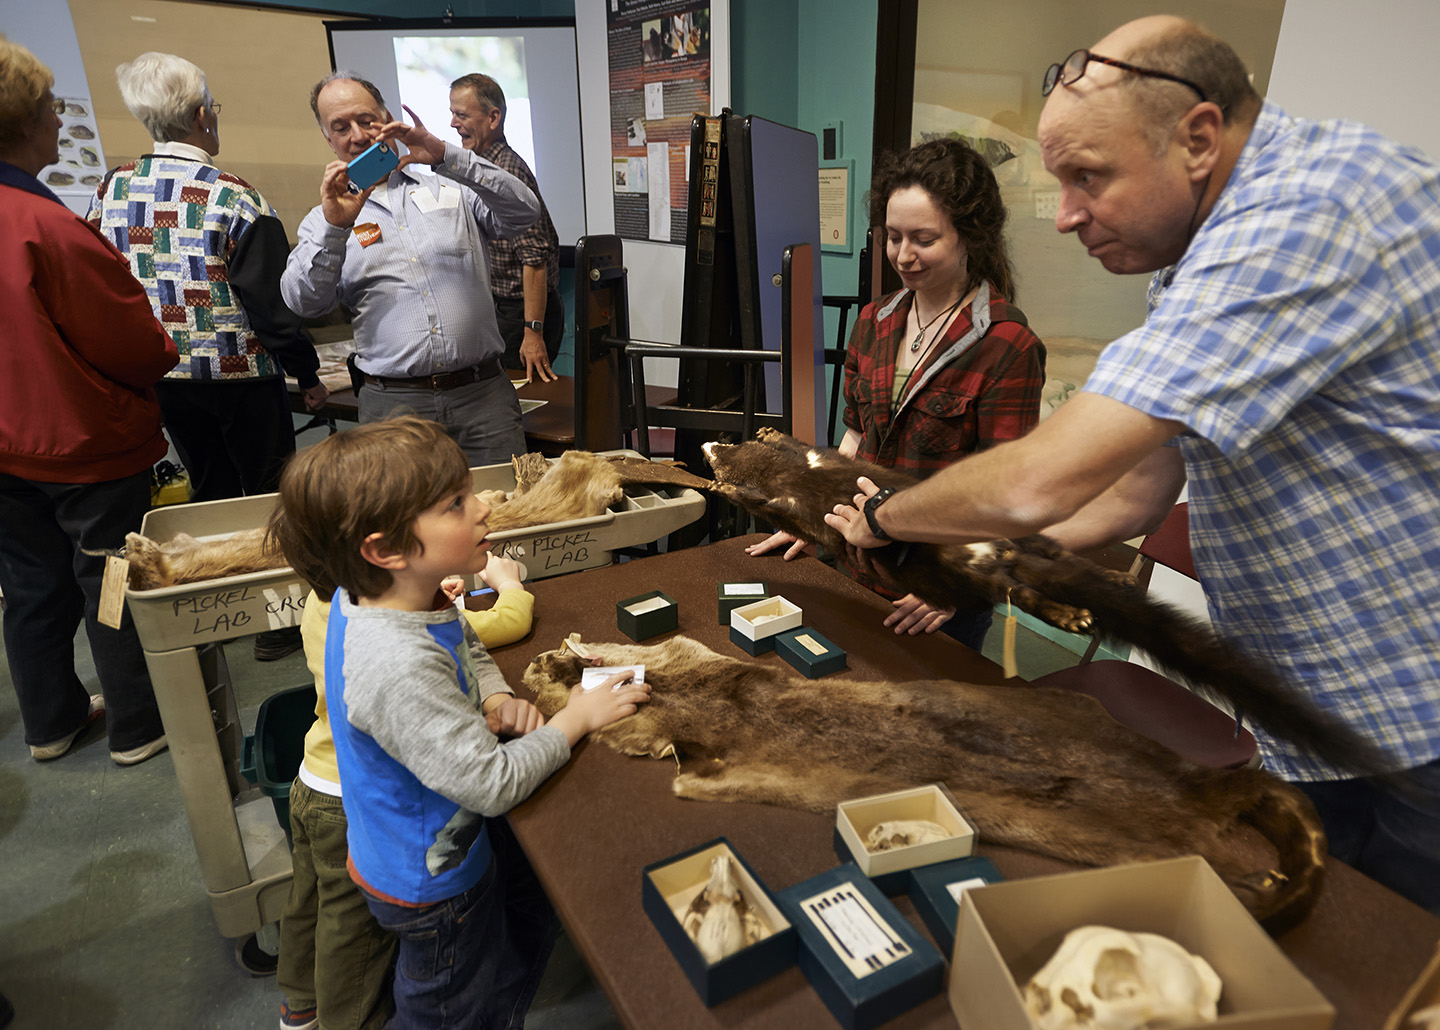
579 485
793 486
1044 770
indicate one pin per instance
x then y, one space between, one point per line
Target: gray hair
487 92
163 91
342 75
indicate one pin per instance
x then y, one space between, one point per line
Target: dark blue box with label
865 960
809 652
930 890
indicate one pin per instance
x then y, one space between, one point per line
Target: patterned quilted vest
178 221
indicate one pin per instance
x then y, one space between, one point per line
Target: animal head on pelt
1045 770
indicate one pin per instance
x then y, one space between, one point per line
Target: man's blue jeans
1389 833
474 960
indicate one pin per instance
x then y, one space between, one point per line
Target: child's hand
514 717
502 573
589 710
453 586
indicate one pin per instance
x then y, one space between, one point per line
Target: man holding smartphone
407 255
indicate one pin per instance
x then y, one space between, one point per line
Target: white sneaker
50 752
136 755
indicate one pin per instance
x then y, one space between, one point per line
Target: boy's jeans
474 960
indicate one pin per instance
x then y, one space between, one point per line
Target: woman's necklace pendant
915 343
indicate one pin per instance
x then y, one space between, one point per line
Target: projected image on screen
426 65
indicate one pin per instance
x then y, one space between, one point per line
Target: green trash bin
279 746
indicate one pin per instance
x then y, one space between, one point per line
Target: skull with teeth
1106 979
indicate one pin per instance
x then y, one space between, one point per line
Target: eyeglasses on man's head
1072 69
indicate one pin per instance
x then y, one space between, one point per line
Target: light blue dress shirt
420 289
1298 340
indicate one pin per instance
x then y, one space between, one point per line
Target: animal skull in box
1106 979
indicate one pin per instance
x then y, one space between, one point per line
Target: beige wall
986 58
260 66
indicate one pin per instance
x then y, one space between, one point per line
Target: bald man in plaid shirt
1289 372
525 271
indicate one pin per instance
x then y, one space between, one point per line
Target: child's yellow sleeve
506 621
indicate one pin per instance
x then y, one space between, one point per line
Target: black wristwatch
870 505
537 325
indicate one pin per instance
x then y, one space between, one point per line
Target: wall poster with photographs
81 168
659 62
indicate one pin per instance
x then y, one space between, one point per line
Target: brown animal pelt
184 559
1044 770
579 485
793 486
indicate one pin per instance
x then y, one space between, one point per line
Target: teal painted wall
809 64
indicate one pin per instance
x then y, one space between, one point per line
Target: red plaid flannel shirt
538 246
987 394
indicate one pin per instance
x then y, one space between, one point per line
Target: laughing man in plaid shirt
525 271
1293 353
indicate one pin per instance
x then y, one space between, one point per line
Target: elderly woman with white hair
209 251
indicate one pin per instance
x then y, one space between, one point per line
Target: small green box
640 617
732 595
809 652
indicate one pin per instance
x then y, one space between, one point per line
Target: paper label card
959 887
744 589
810 644
592 677
859 935
650 604
112 591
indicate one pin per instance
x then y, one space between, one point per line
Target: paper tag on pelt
1007 649
112 591
593 677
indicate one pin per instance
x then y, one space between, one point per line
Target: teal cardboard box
647 615
865 960
671 885
809 652
937 889
730 596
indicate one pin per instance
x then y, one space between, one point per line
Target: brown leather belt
440 380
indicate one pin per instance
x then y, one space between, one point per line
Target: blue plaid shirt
1298 340
420 286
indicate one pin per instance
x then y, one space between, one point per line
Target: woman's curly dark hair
961 183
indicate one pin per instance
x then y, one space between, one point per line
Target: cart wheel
254 959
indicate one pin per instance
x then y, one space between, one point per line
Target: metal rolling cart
243 854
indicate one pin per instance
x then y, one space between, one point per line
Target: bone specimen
1106 979
903 833
719 921
1425 1019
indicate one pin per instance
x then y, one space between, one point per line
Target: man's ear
374 550
1200 132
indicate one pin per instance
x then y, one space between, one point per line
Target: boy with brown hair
385 512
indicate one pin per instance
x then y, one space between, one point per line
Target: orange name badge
367 233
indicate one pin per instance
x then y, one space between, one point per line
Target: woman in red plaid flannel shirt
946 366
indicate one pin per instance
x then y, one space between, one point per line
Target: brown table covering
592 827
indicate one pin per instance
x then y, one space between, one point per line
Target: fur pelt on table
580 485
1045 770
794 486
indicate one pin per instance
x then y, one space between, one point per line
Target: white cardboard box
854 820
1009 930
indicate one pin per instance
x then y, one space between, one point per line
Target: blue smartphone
377 162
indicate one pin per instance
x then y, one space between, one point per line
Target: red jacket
80 349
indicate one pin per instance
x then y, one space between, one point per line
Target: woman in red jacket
79 432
